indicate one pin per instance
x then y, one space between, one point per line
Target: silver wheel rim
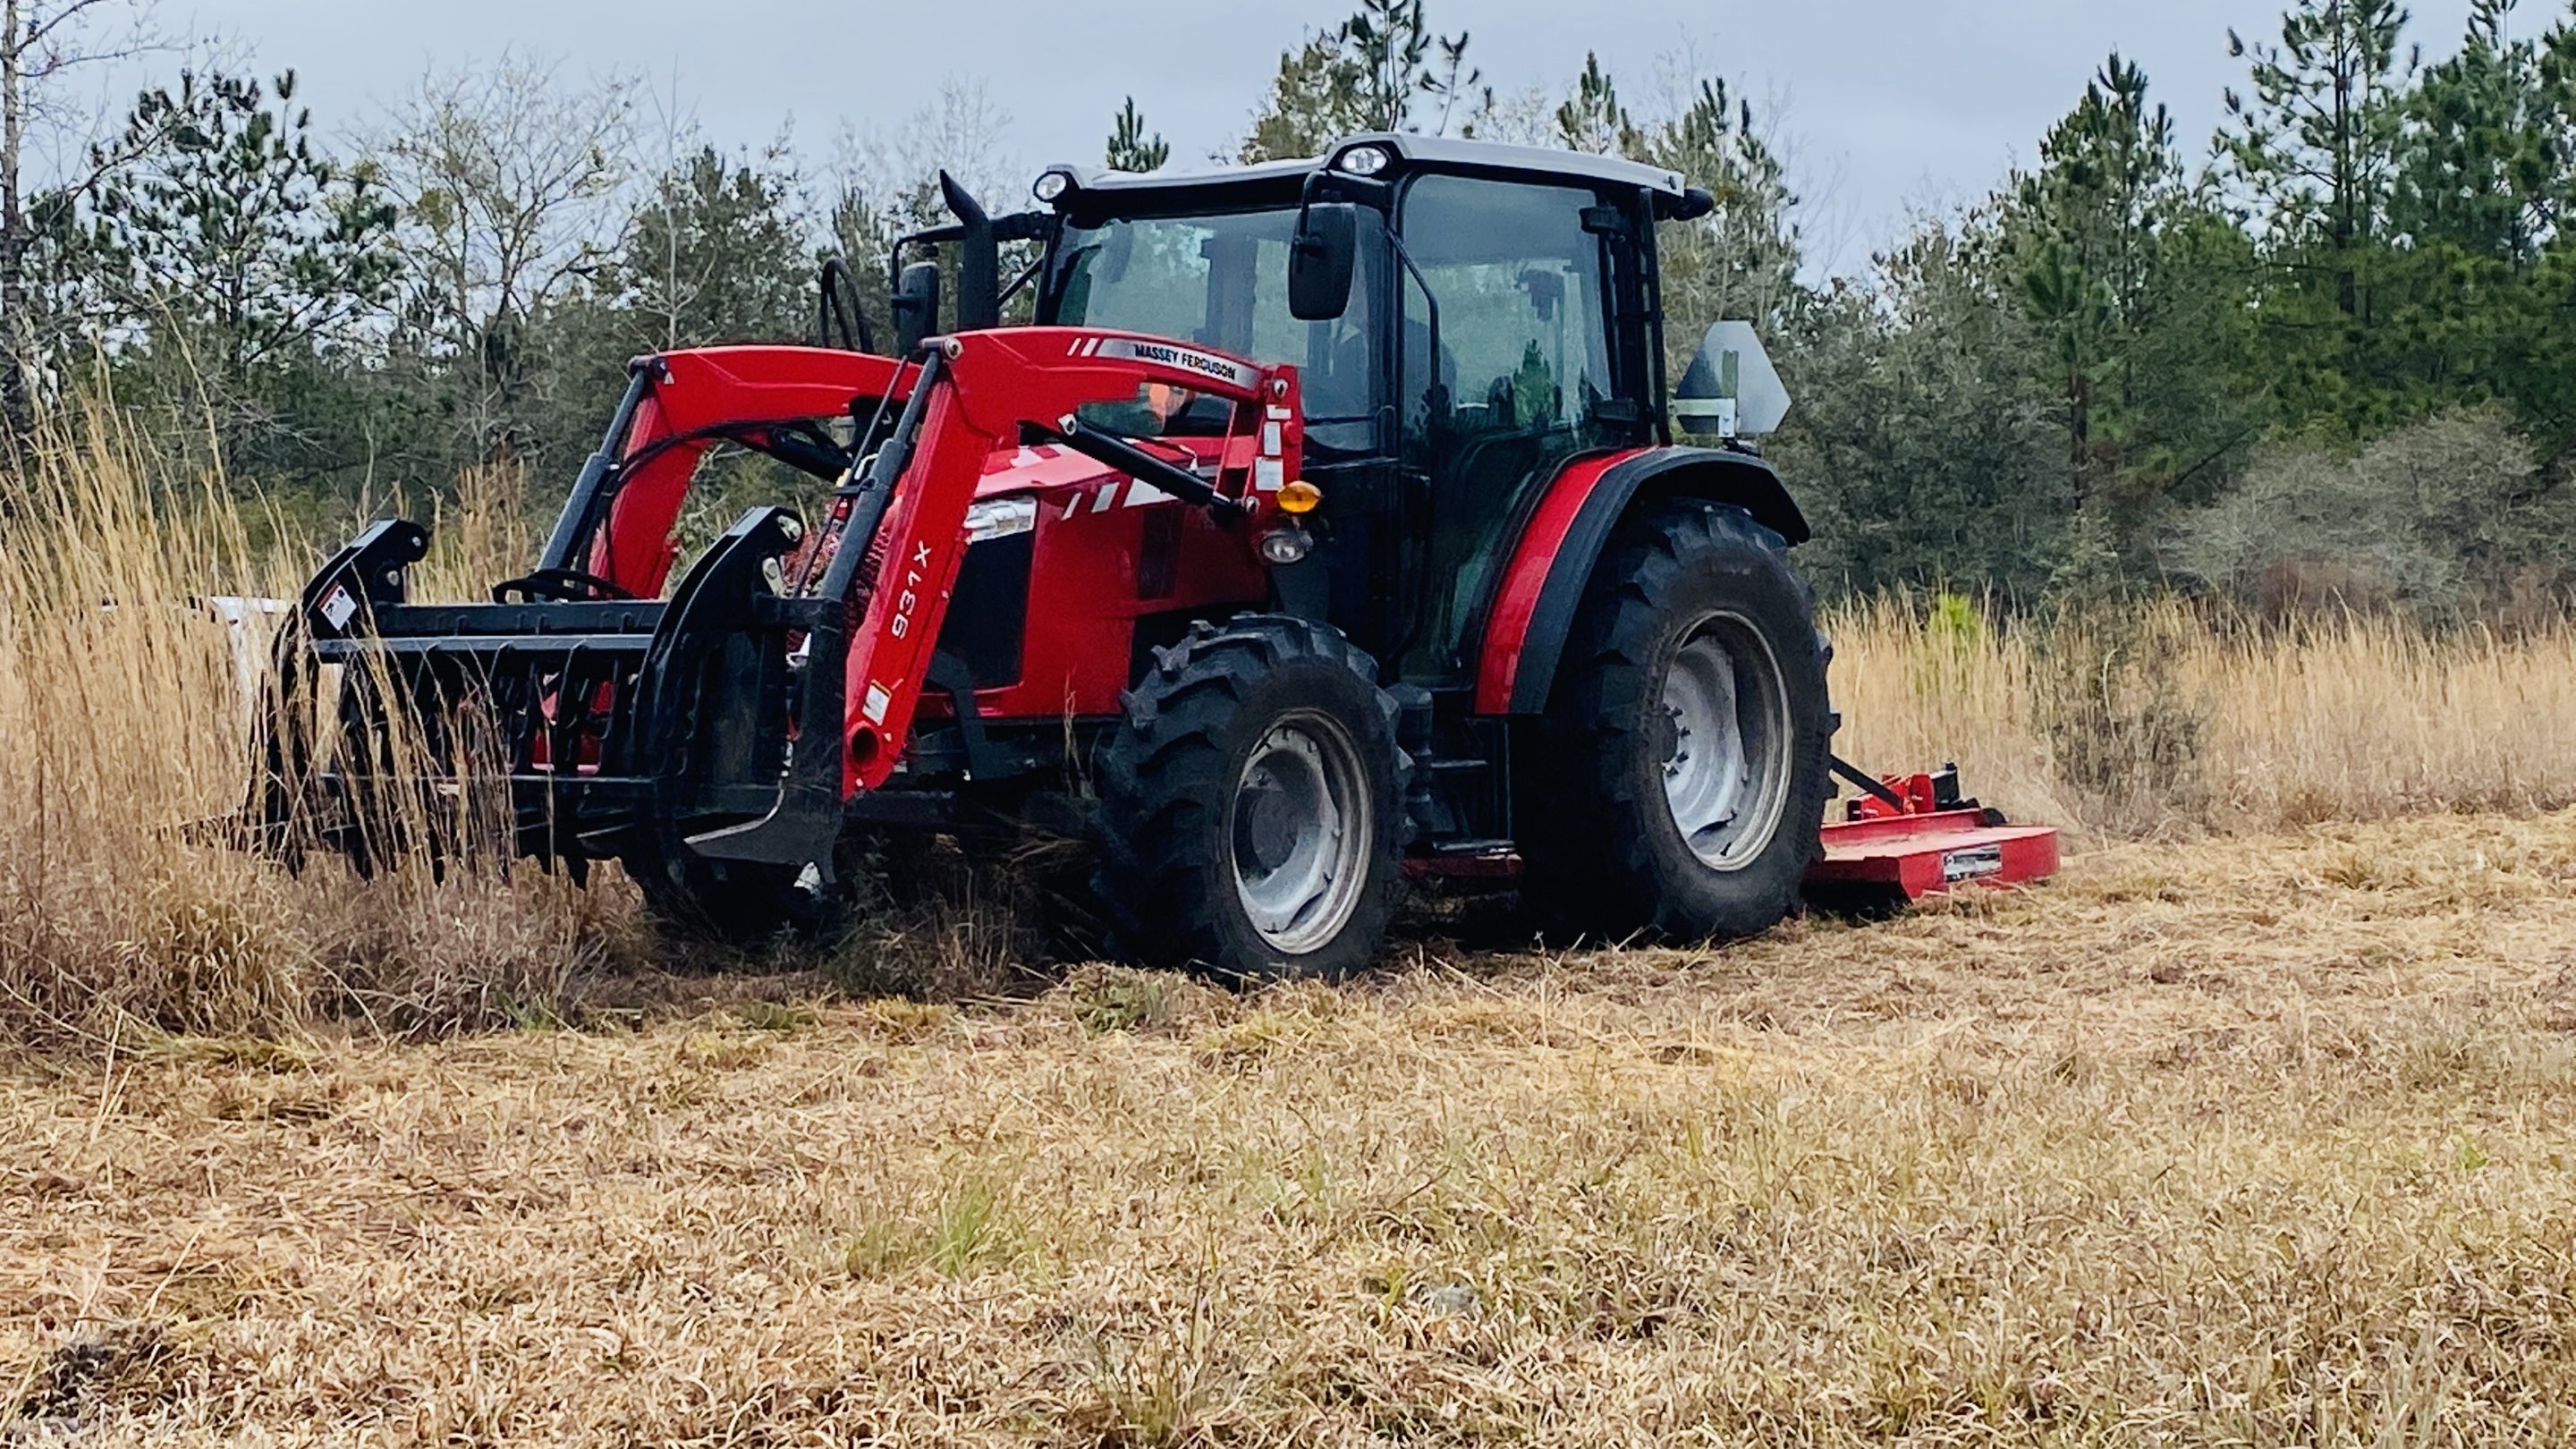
1298 830
1726 755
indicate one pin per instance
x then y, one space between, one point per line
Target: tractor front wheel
1251 806
1679 777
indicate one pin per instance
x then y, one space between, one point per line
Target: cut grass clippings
2243 1141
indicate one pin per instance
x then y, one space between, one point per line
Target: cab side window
1523 363
1524 332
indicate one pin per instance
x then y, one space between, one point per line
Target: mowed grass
2254 1134
2245 1141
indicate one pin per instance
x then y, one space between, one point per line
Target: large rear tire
1252 806
1678 781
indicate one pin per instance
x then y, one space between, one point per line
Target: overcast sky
1885 104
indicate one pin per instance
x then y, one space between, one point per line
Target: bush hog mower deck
1326 528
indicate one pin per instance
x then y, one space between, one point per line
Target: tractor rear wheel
1252 805
1679 781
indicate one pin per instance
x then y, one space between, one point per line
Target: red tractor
1327 527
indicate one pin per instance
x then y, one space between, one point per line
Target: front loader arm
618 525
981 392
731 718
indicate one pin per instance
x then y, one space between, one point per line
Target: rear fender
1551 567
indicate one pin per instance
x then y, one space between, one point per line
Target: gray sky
1885 104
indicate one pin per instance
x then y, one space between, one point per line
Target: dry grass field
2253 1129
2255 1141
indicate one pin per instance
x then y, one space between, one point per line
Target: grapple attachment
723 729
565 730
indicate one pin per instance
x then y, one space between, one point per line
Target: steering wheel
563 586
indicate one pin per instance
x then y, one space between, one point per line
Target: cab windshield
1221 282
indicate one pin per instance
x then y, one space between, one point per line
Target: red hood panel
1041 467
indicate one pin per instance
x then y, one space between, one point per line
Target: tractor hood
1043 468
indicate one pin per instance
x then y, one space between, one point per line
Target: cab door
1525 282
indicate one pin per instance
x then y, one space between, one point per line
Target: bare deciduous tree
511 183
41 41
960 131
887 183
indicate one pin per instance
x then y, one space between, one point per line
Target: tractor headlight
1051 185
1288 543
1363 160
1000 518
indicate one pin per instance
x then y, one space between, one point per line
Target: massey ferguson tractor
1331 526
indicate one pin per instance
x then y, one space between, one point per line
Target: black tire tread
1591 863
1156 887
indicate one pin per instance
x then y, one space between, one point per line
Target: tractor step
1454 849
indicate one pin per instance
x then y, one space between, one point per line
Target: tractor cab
1466 319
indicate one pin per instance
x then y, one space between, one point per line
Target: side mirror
1321 260
916 307
1694 204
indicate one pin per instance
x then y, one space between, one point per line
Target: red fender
1516 602
1574 522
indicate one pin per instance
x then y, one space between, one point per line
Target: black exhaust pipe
979 260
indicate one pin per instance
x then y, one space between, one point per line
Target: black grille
988 617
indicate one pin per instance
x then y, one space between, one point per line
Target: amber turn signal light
1300 497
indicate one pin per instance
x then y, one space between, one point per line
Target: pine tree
235 235
1384 69
1313 100
1399 64
2315 145
1130 149
2554 115
1741 260
2089 251
716 255
2312 156
2485 168
1592 119
2138 289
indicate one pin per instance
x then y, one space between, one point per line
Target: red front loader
1326 528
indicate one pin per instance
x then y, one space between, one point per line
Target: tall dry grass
123 730
2152 720
124 747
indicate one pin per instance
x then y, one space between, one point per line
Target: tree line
2326 356
2325 360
